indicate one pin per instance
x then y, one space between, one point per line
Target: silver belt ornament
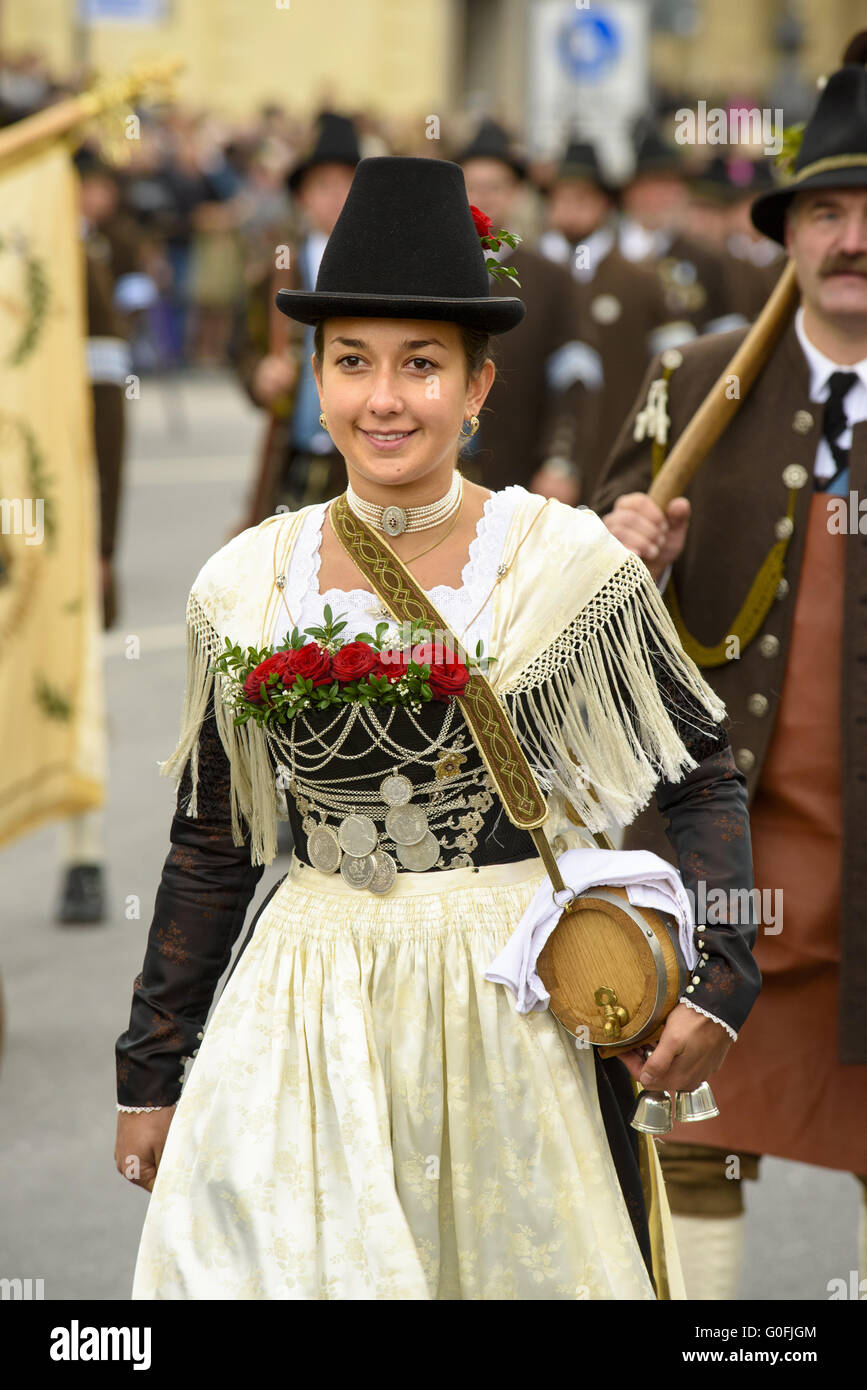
353 849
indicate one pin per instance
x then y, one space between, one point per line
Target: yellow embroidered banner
52 706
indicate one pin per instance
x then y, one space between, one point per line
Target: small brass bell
652 1113
695 1105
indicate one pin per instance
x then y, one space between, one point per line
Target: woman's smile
386 441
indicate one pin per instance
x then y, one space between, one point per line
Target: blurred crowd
190 218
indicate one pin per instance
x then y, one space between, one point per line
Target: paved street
66 1215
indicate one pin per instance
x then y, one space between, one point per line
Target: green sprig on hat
793 136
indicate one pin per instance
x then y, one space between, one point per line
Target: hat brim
768 211
493 314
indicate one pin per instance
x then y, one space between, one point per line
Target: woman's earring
474 425
322 424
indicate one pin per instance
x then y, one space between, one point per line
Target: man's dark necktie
834 423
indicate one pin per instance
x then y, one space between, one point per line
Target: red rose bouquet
272 686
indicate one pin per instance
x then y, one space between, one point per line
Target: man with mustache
765 577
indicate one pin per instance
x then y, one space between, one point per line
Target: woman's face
395 393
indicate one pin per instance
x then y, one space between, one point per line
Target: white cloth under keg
649 882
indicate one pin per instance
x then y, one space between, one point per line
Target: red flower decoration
257 678
310 661
392 664
353 661
483 223
448 675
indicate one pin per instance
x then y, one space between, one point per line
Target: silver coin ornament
384 873
396 790
358 871
422 856
358 836
406 825
323 850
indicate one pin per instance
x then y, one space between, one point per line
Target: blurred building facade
450 57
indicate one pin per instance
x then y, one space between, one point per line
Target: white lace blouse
466 609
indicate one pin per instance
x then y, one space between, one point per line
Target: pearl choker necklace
395 520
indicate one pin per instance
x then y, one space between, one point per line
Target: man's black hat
729 179
336 143
492 141
580 161
405 247
833 152
654 156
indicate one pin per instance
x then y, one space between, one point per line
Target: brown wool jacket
737 498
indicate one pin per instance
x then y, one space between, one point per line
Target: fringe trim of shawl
575 727
253 781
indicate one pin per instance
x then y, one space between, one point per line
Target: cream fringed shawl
573 620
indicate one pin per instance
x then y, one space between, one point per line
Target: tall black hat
654 156
729 179
580 161
336 142
492 141
405 247
833 152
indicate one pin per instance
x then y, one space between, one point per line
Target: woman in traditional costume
368 1116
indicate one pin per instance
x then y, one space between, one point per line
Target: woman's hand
690 1049
140 1141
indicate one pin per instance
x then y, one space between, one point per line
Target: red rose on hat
483 223
353 661
310 661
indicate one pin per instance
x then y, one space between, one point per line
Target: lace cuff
721 1021
139 1109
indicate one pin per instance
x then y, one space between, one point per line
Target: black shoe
82 897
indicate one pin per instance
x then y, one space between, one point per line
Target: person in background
82 855
768 591
621 314
531 426
298 461
719 215
654 204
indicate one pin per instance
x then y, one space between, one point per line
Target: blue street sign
588 44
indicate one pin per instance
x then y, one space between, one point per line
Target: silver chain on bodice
418 808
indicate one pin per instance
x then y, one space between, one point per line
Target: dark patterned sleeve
206 886
707 822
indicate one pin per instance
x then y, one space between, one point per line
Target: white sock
81 838
711 1252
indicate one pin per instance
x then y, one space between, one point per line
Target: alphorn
719 405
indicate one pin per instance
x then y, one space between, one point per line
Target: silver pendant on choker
393 521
